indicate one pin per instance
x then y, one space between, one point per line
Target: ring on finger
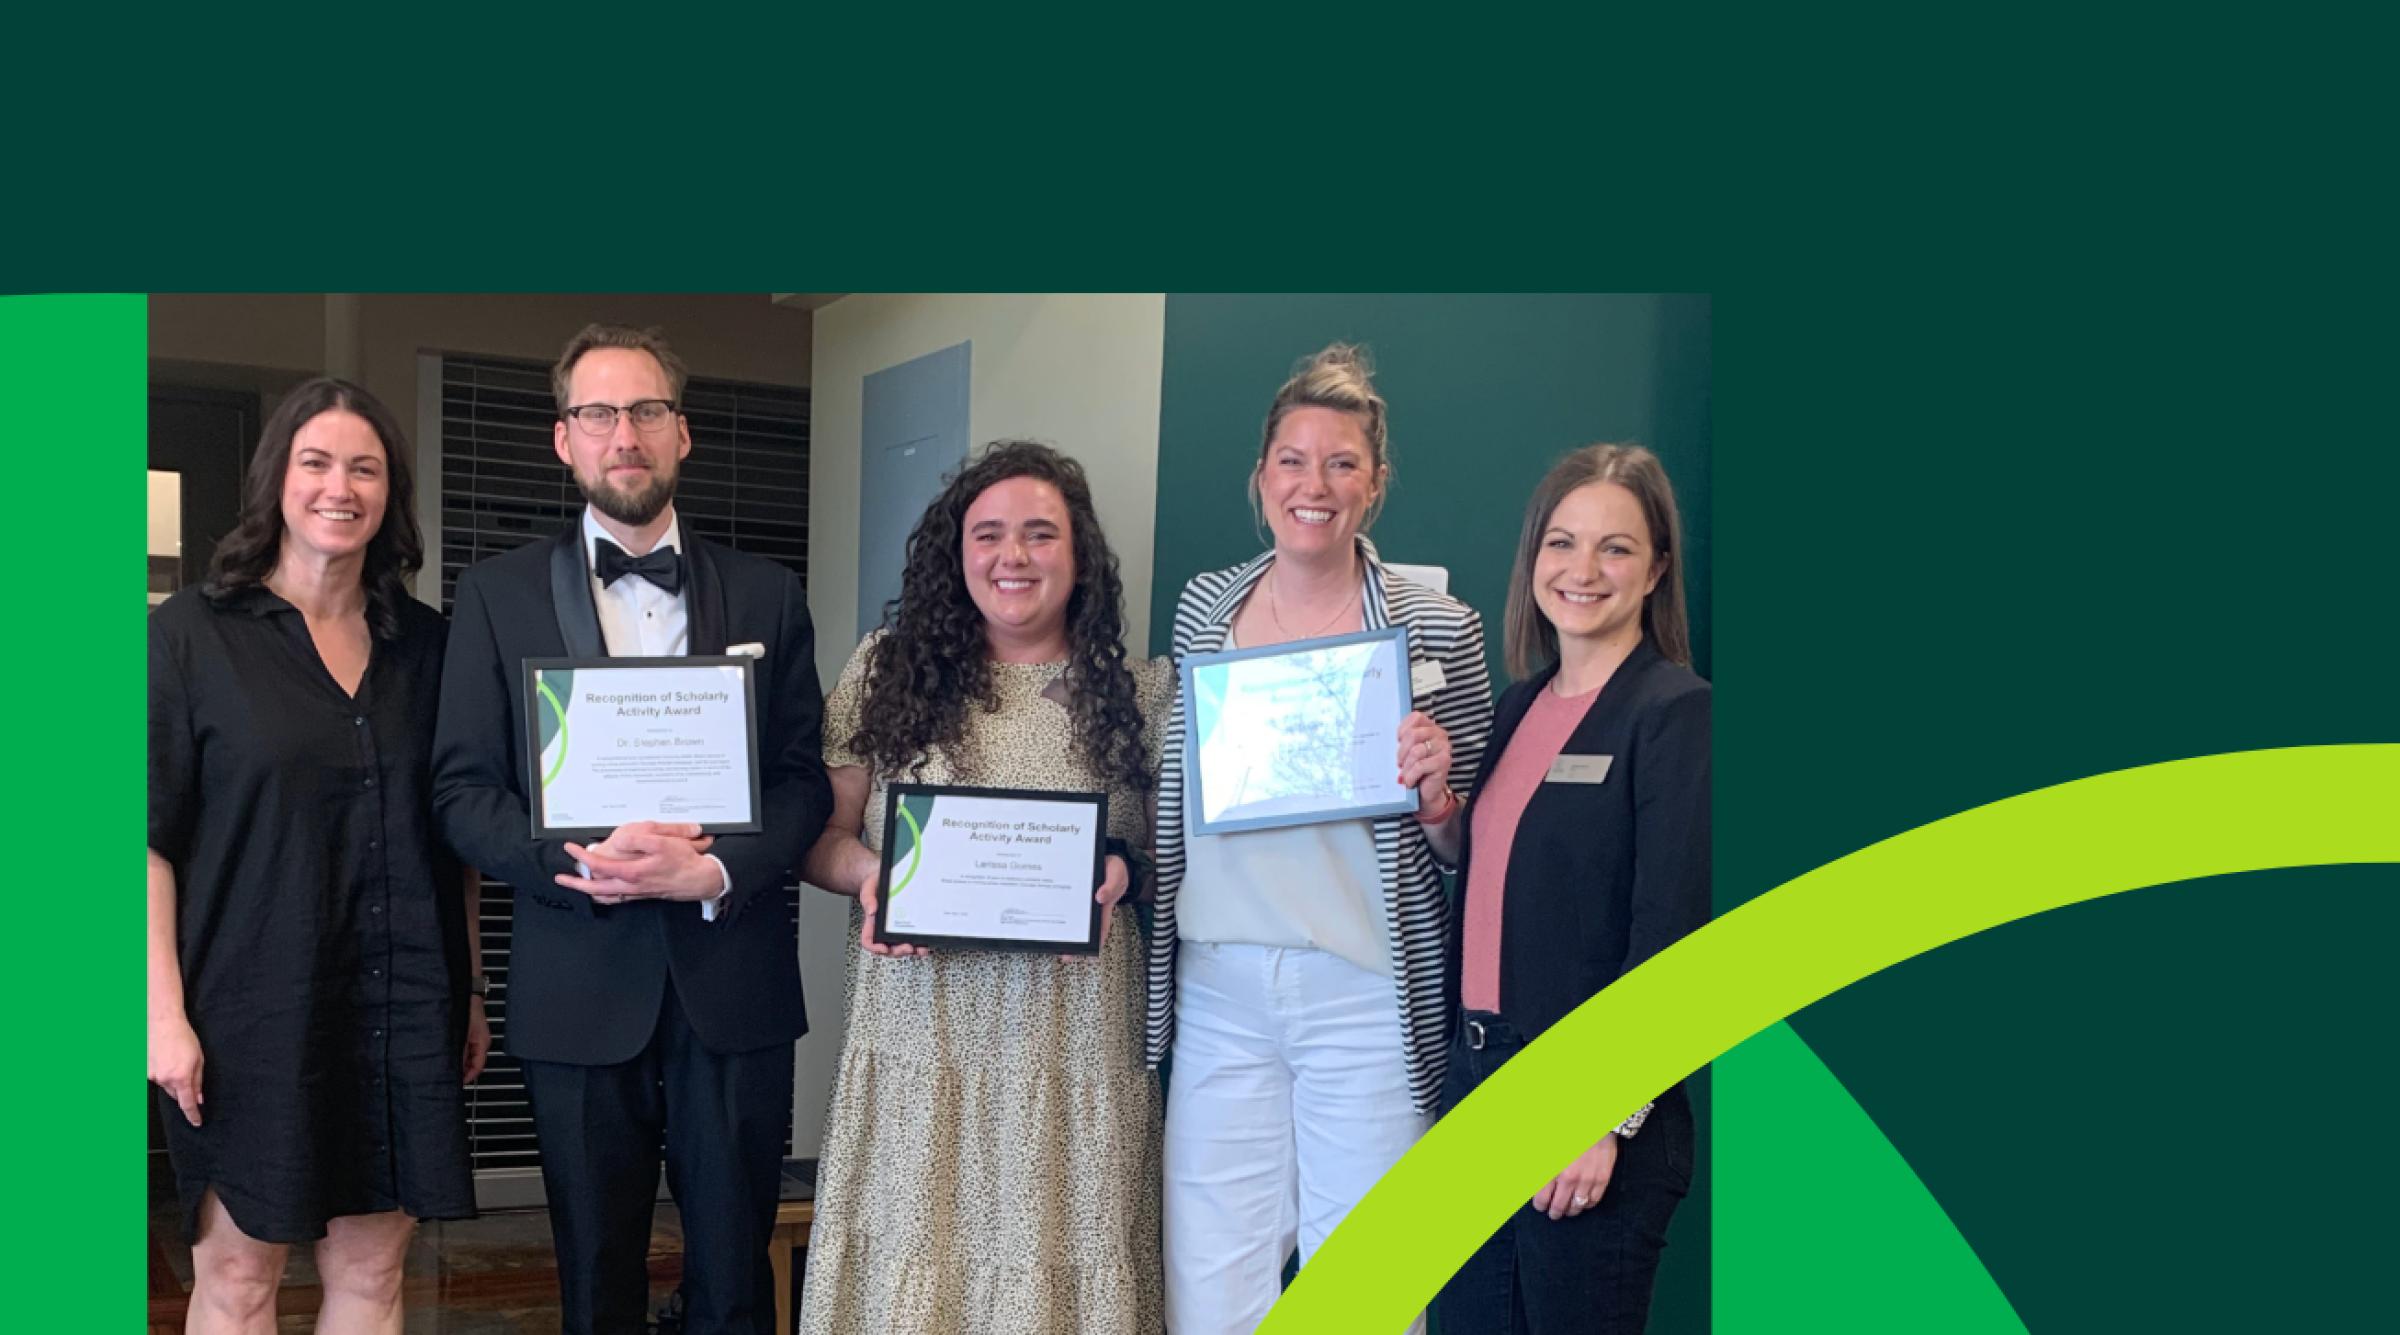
1579 1202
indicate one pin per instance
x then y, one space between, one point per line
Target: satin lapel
703 601
571 597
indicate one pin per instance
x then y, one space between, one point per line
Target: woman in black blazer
1587 853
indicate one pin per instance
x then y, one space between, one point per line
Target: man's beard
630 507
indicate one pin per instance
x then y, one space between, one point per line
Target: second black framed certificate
993 868
611 740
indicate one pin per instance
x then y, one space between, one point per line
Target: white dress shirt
638 619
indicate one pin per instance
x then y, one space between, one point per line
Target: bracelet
1449 809
1631 1126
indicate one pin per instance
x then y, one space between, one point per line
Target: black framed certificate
994 868
1293 734
611 740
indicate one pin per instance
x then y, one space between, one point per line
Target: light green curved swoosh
2178 821
916 852
560 763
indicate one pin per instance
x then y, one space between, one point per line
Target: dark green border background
1976 540
2053 432
1971 537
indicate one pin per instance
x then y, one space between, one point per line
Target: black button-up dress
319 923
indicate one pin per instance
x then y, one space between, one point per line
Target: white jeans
1288 1098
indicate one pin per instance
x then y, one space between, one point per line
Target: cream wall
1077 372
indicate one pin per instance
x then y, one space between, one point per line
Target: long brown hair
1531 640
248 554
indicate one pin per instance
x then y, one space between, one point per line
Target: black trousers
1593 1273
721 1120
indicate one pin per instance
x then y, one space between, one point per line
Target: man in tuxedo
654 982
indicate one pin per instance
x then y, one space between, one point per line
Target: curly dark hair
933 660
247 555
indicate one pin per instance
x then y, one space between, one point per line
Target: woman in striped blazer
1298 971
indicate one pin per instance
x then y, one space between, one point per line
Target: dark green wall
1486 393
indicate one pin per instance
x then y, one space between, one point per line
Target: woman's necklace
1277 616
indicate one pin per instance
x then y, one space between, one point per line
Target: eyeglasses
598 419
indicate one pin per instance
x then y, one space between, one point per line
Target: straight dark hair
248 554
1531 641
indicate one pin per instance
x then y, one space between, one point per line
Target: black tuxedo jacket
585 979
1602 876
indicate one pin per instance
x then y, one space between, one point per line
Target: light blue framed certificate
1294 734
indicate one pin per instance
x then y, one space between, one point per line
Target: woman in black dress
309 952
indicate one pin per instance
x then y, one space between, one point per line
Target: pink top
1499 804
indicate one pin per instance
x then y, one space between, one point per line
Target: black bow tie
662 567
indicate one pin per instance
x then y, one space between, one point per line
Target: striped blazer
1417 914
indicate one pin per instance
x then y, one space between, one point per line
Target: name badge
1425 678
1579 769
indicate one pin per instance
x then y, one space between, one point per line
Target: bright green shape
1820 1223
77 371
559 711
2178 821
916 850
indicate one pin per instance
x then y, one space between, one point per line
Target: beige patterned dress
990 1162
